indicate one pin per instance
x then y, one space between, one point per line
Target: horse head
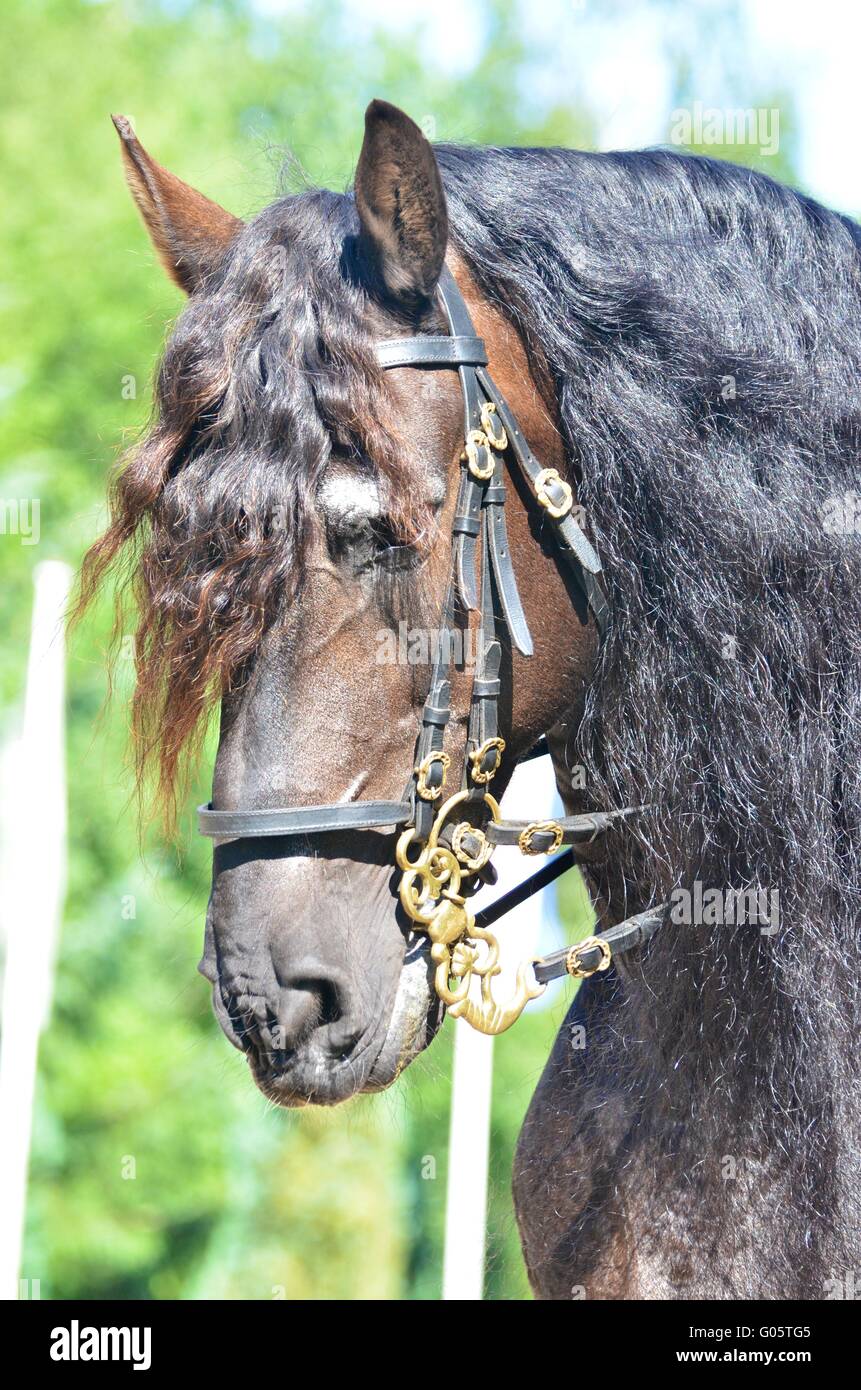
299 505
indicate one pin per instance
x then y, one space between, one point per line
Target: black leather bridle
448 853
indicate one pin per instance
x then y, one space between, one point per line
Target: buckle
485 848
493 427
572 960
548 485
537 827
477 444
482 775
422 772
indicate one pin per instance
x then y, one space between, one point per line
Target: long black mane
700 324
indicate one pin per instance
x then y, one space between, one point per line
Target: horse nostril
327 994
308 1009
305 1006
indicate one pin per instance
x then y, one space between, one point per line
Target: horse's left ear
401 203
190 233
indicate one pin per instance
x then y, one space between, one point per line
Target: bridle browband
441 858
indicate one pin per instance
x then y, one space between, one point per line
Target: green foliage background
158 1171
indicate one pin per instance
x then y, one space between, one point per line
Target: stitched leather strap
503 569
301 820
572 830
436 713
632 932
567 529
458 315
457 351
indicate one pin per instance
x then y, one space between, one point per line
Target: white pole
468 1151
532 787
32 889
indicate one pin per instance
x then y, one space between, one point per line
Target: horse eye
392 551
384 536
361 541
397 557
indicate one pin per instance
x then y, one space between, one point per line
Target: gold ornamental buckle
428 793
477 758
477 443
548 827
572 960
473 862
493 427
547 478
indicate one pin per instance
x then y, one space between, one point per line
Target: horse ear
401 203
190 233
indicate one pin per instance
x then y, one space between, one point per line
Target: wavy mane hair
702 328
268 374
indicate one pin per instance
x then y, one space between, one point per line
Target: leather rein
440 853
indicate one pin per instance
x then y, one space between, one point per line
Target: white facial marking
346 493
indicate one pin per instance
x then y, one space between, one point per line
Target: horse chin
415 1018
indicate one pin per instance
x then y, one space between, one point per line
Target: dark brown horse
681 340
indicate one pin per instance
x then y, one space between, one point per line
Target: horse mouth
305 1078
